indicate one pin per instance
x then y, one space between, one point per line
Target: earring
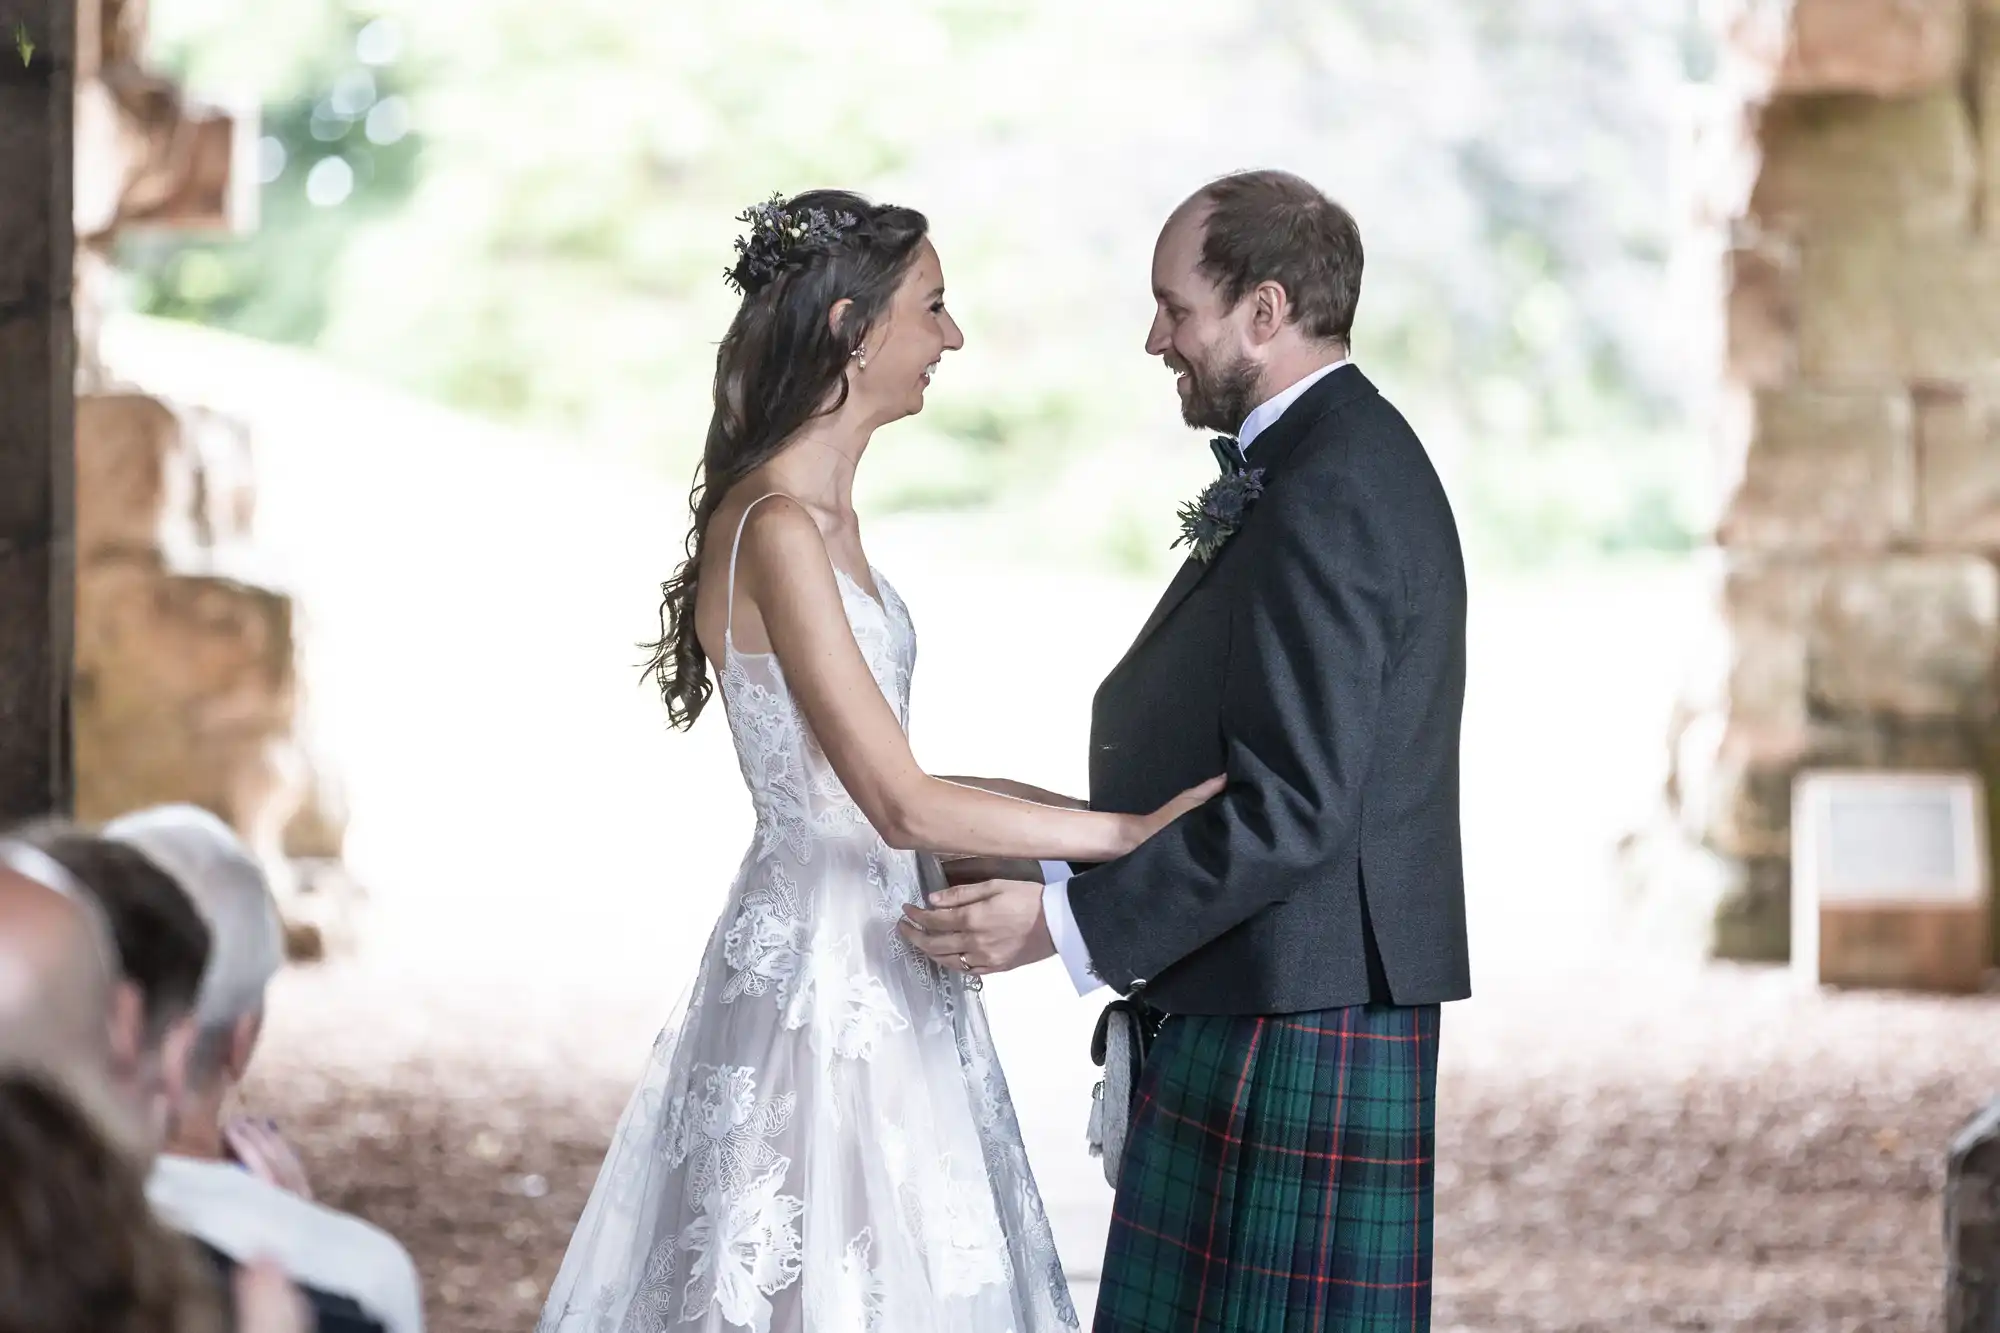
860 358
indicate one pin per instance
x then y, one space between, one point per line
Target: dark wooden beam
37 404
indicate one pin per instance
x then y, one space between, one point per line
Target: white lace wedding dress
822 1141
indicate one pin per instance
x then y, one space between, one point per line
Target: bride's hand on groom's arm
1144 827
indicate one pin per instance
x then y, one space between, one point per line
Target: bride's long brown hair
779 367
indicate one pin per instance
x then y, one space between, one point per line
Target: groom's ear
1270 311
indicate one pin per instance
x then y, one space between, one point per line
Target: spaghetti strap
729 601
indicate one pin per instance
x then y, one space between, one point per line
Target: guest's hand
992 926
978 869
263 1151
267 1302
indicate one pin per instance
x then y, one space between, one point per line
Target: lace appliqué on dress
823 1142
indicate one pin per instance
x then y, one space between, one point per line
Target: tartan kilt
1278 1177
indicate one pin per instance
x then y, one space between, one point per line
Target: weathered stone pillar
37 432
1850 213
187 658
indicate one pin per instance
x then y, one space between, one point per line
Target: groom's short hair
1272 226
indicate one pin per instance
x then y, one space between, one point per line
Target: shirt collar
1268 411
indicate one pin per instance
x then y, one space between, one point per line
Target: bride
823 1139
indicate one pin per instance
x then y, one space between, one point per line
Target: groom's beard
1220 398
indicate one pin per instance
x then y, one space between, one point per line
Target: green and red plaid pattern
1279 1177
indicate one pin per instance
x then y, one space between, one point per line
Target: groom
1299 932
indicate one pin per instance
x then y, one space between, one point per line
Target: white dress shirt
246 1217
1056 874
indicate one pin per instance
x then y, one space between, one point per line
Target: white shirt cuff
1054 872
1062 929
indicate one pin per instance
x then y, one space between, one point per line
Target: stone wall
1848 220
188 658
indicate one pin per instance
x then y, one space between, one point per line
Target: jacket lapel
1269 452
1185 578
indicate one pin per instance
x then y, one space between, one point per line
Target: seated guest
161 947
200 1185
58 978
58 972
79 1249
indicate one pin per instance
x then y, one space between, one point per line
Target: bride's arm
785 568
1021 791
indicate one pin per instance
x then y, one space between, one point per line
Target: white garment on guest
247 1218
1056 874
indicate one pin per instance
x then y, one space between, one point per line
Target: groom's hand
992 926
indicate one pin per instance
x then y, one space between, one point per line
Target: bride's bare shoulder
769 523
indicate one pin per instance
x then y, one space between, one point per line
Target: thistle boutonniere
1212 518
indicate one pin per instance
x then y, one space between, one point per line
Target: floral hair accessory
780 238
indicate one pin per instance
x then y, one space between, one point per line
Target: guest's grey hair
213 867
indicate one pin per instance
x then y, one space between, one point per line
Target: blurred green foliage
545 240
337 153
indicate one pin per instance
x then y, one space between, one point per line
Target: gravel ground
1627 1150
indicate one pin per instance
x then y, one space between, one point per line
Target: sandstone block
1745 798
1907 637
1871 312
151 477
317 830
1745 723
1813 470
1767 609
155 158
210 184
184 691
1958 466
122 29
1761 312
1866 165
1886 48
137 482
1753 919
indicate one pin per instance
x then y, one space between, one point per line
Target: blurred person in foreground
230 1181
79 1250
59 981
824 1139
161 948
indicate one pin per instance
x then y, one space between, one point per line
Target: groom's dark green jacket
1319 661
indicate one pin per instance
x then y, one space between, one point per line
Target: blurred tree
554 254
337 152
